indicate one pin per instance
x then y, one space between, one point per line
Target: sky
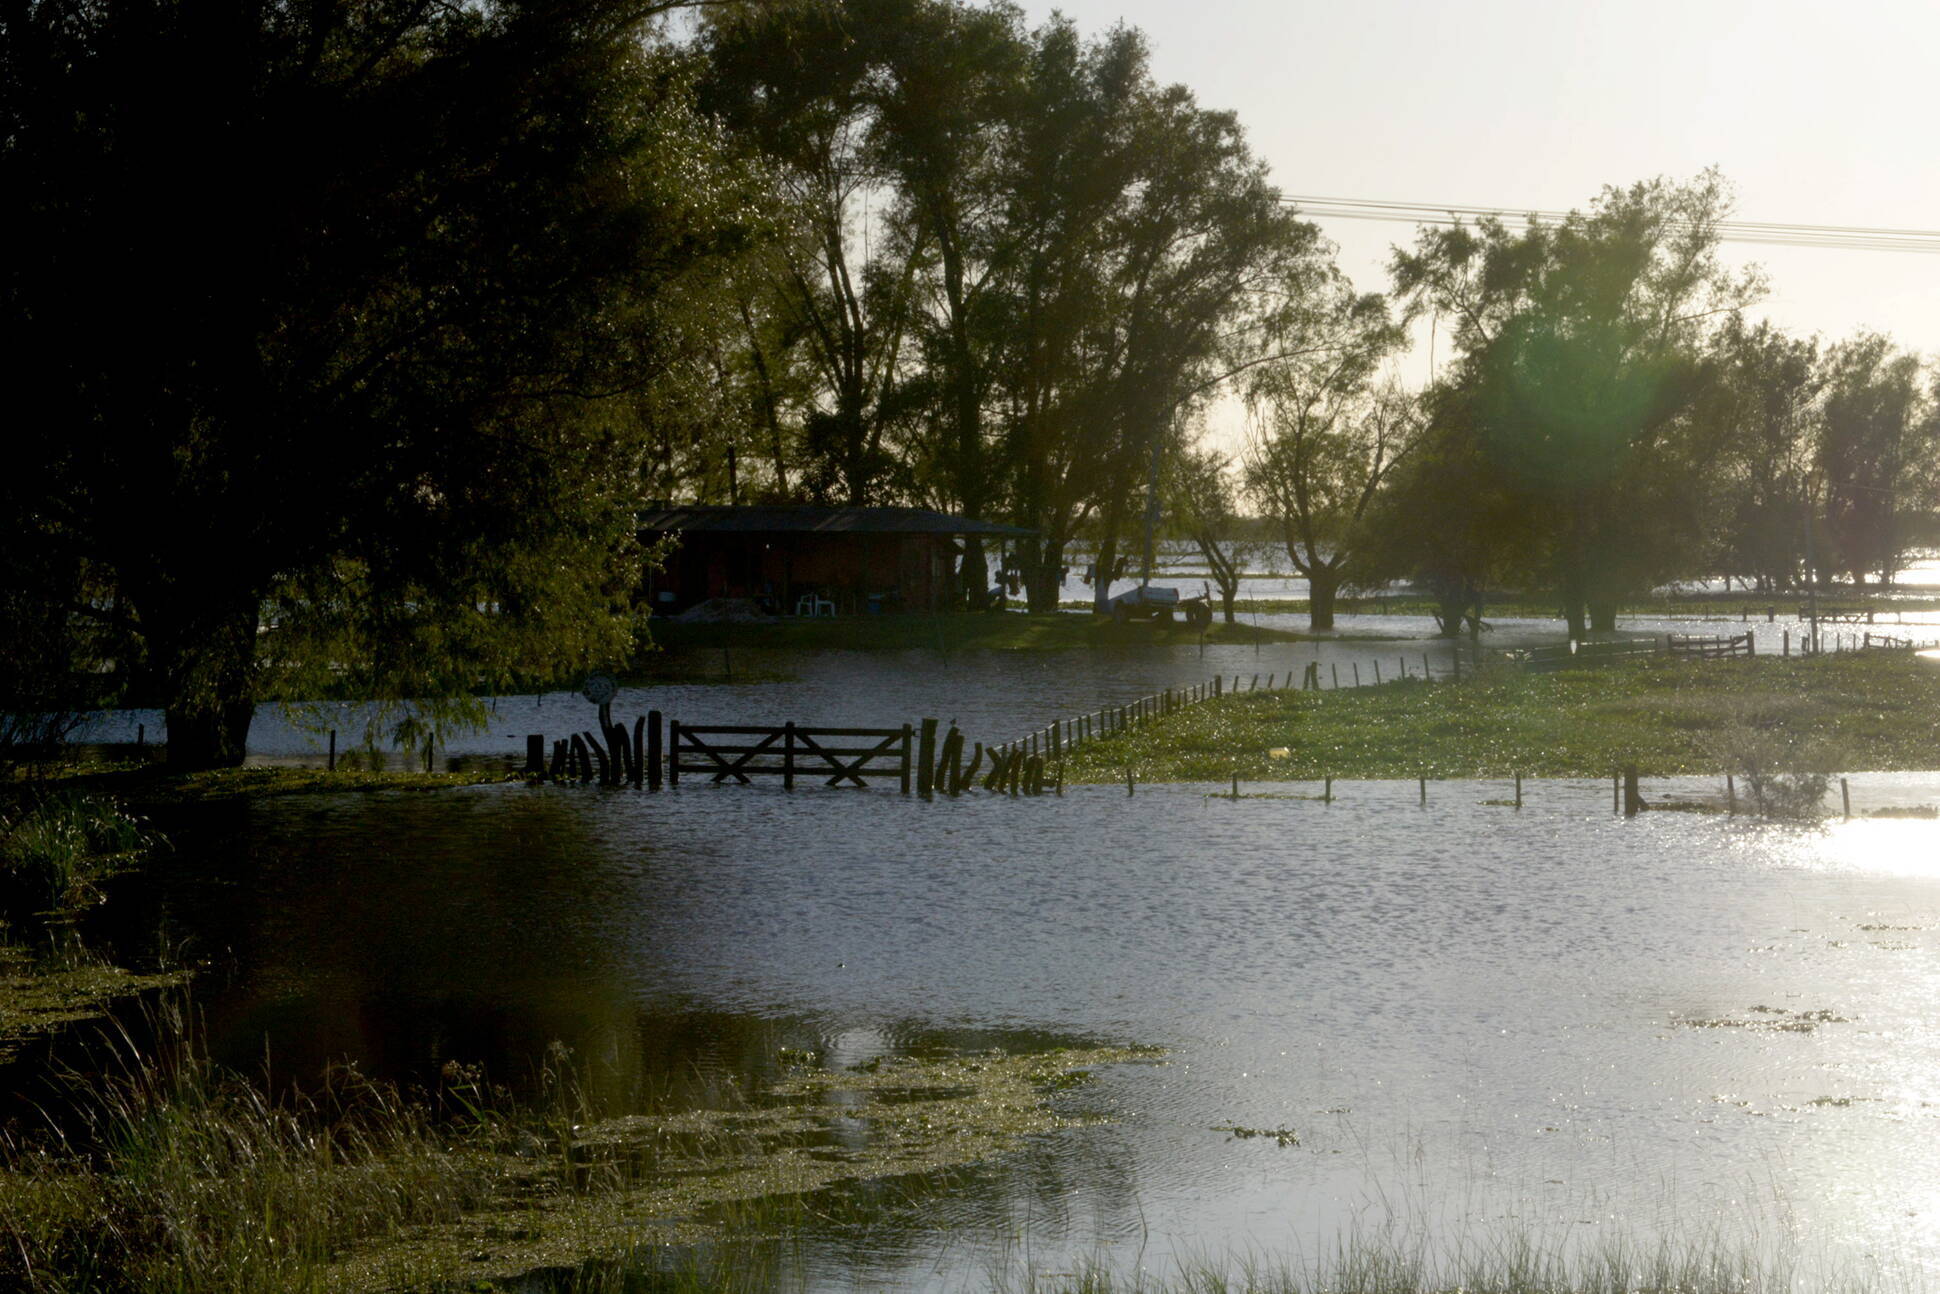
1815 114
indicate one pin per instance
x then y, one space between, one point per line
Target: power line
1771 233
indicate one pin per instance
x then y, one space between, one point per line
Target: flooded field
1449 1025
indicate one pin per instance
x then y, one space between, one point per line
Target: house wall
779 569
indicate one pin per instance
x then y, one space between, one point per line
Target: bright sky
1816 113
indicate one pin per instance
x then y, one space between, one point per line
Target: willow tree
333 320
1582 352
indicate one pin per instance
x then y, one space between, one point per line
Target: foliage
372 380
1581 356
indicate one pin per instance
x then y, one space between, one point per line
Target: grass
1840 712
144 784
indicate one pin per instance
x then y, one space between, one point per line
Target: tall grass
55 851
167 1174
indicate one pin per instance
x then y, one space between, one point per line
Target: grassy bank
142 784
995 631
1871 711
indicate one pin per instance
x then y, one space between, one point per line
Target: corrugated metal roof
805 519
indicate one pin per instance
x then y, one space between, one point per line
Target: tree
1877 437
335 314
1325 435
1766 399
1136 224
1582 354
1199 500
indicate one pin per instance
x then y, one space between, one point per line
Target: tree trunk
1603 615
1043 575
1322 588
973 573
1101 575
207 666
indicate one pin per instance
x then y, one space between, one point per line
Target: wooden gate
743 753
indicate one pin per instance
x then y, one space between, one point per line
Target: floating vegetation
1766 1019
1283 1136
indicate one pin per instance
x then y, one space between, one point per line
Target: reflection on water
1474 1018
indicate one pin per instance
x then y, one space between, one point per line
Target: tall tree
1139 224
1326 434
1877 438
1582 354
333 316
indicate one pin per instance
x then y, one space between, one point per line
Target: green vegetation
1859 711
150 784
171 1174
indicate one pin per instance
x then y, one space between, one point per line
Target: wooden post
906 759
1328 795
535 754
1785 639
1269 682
333 750
1130 787
1751 644
427 752
956 763
788 756
616 741
1256 684
1057 742
1616 793
1060 781
1730 796
673 752
1518 790
639 769
1377 673
653 750
1424 792
1333 667
1633 800
1845 796
560 754
1219 684
1357 673
1425 674
926 761
1235 786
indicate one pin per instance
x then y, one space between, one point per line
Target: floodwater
1479 1022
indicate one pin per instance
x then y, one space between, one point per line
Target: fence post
1377 673
1633 800
639 751
653 750
906 758
1845 797
788 756
1751 644
926 761
1785 636
1219 685
1518 790
1057 739
673 752
333 750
